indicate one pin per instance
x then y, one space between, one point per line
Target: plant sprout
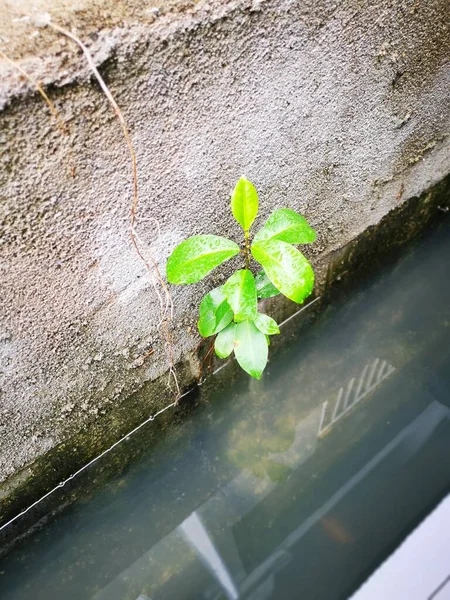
230 312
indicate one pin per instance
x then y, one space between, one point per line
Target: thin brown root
169 301
173 374
208 354
144 260
163 325
149 353
168 305
211 358
62 126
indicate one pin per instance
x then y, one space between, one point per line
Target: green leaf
287 226
194 258
268 339
244 203
266 324
286 267
240 291
264 288
250 348
224 343
215 313
224 316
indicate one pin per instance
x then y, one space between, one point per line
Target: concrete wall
337 110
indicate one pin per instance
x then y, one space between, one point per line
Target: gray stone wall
337 110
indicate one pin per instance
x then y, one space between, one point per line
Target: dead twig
62 126
153 269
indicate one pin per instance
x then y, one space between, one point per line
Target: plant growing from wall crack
230 312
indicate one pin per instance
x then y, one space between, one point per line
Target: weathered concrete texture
336 110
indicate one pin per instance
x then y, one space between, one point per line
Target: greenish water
297 486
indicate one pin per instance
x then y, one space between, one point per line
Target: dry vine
59 121
167 306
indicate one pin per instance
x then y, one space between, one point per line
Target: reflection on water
372 375
297 486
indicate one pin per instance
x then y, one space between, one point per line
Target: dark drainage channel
297 486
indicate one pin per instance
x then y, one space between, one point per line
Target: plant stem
247 249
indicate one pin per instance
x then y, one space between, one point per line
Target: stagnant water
297 486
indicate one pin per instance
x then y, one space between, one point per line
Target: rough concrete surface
338 110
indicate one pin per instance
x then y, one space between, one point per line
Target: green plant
231 311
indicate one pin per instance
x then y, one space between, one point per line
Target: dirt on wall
338 110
